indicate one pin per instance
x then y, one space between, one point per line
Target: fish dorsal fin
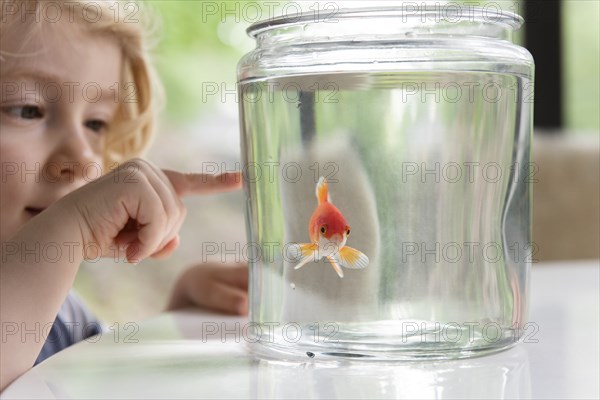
322 191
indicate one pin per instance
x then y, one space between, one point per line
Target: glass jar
418 123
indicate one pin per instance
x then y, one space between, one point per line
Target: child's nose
74 158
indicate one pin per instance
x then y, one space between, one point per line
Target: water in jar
431 171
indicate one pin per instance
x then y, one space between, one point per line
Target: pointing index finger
186 184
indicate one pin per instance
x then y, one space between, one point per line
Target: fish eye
323 229
347 231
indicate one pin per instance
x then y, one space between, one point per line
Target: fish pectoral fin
297 251
351 258
304 261
335 266
303 252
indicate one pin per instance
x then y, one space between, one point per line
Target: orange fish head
333 232
328 225
333 229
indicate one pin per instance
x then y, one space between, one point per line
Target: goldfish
328 232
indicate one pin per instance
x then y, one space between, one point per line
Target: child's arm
134 212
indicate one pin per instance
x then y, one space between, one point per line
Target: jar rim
453 15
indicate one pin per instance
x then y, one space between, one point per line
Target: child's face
57 100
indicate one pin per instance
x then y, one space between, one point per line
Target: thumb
186 184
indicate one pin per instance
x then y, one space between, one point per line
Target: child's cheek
20 173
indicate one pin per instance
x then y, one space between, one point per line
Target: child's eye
24 112
96 125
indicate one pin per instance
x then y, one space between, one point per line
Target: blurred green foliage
200 43
581 64
197 46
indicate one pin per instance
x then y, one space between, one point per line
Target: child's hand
135 211
214 286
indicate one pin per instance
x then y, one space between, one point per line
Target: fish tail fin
322 190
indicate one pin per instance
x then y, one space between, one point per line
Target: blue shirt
73 323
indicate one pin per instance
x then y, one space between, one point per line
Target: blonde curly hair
130 24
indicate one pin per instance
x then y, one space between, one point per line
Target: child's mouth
33 211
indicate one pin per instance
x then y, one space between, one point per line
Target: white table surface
171 359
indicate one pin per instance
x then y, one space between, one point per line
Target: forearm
212 286
37 270
179 298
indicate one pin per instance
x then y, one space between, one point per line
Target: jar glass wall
420 124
